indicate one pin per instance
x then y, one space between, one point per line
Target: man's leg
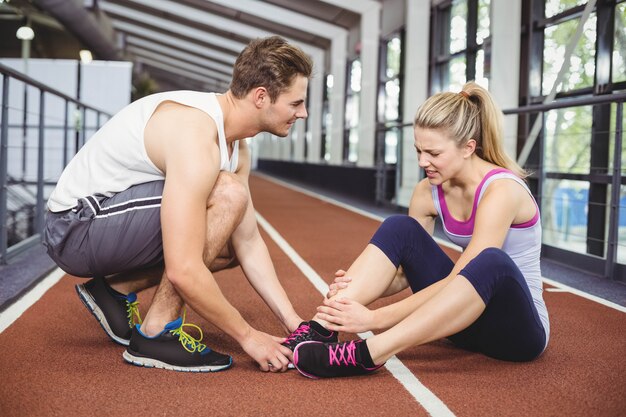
225 208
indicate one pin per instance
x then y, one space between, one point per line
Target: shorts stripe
123 210
126 206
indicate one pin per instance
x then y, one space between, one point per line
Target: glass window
619 45
564 214
458 26
484 21
581 69
554 7
457 74
352 115
394 52
327 119
389 110
621 231
392 137
481 78
568 140
454 46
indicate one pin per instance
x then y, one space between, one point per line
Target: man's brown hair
271 63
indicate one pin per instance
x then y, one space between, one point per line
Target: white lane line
441 242
13 312
433 405
565 288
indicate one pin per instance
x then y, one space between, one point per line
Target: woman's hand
341 281
345 315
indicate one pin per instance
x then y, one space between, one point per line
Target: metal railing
23 190
606 265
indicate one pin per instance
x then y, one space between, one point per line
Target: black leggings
509 328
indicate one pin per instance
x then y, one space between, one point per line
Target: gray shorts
107 235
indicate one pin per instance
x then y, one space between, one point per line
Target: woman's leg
399 241
487 308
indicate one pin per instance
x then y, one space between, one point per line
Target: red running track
55 359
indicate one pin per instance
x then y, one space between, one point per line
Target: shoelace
132 310
300 332
342 354
190 343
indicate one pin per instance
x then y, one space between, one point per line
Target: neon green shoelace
190 343
133 311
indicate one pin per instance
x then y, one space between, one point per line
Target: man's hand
341 281
267 351
345 315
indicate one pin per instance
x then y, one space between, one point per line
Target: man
164 184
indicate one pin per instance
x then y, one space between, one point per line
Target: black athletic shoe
174 349
307 332
115 312
328 360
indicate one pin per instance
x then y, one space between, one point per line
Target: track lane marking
429 401
15 310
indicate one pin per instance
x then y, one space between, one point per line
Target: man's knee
230 192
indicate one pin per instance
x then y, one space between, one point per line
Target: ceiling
179 43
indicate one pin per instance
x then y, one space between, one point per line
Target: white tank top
522 242
115 157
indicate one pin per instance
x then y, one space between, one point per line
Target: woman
490 300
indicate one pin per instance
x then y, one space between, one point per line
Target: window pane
480 69
564 214
554 7
458 26
482 32
355 76
392 99
619 46
567 140
621 231
327 146
580 71
353 145
352 110
394 50
457 75
391 146
612 140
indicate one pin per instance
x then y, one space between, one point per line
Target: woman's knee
494 258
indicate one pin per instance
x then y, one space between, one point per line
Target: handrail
41 86
8 74
536 108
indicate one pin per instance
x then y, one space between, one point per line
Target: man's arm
255 259
191 168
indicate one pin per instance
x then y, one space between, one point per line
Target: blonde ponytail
470 114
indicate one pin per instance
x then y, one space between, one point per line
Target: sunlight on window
568 140
391 146
458 26
581 68
619 46
457 74
621 230
564 214
484 21
554 7
355 76
480 70
394 50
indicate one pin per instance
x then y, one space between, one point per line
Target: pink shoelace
342 354
302 330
